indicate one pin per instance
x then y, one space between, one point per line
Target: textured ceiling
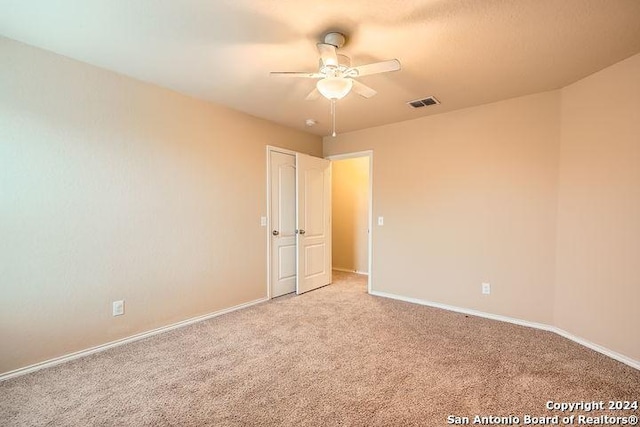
465 52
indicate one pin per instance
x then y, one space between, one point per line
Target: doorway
352 213
298 222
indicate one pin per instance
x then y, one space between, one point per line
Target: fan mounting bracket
335 39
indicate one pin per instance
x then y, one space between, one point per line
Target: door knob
275 232
302 231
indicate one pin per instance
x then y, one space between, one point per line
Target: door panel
287 262
314 257
283 223
313 188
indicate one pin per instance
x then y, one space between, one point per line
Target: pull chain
333 116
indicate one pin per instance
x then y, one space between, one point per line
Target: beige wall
467 197
111 188
539 195
598 251
350 214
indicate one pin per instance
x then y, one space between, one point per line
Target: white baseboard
82 353
596 347
610 353
350 271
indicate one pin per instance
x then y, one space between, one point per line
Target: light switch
263 221
380 220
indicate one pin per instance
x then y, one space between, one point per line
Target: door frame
270 149
369 155
366 153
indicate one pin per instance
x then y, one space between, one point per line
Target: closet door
313 214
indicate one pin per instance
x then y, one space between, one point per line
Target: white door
283 223
313 186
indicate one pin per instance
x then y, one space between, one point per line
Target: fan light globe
334 87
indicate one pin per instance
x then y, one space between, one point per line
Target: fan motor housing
344 63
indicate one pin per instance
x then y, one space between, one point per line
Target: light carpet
335 356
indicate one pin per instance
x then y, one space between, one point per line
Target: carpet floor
335 356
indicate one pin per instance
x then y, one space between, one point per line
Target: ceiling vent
419 103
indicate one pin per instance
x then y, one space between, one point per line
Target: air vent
419 103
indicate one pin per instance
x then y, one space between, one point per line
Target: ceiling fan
336 77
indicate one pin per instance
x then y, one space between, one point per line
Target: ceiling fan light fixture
334 87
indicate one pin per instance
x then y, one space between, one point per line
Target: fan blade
362 89
315 94
297 74
328 54
377 67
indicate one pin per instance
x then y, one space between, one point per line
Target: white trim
268 230
353 155
369 154
99 348
281 150
600 349
346 270
465 311
596 347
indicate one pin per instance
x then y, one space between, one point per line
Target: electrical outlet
486 288
118 308
263 221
